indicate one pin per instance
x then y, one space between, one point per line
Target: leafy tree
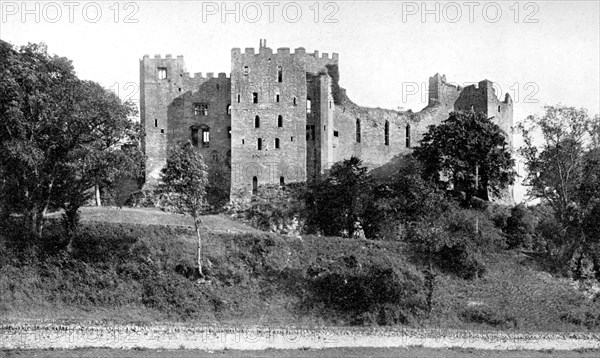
185 177
56 133
562 156
338 202
402 199
465 149
520 227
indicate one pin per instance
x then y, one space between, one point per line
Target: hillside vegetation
128 273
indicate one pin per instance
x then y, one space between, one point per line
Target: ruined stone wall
258 73
184 118
156 95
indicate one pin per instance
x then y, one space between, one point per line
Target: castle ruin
281 117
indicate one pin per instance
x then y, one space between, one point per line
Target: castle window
280 121
254 185
162 131
336 134
277 98
357 130
229 109
239 98
308 106
218 87
179 89
310 132
330 104
257 122
255 97
194 134
291 139
408 136
201 109
276 143
156 123
161 73
281 181
246 70
243 141
228 132
259 144
498 109
279 74
295 101
387 133
205 137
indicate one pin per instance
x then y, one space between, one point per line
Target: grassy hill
137 266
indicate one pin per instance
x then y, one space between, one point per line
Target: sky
540 52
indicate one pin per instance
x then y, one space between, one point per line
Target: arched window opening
357 130
257 122
279 74
276 143
259 144
281 181
156 123
254 185
387 133
280 121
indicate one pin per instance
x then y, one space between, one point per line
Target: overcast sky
541 52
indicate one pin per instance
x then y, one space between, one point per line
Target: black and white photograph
299 178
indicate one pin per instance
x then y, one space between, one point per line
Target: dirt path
260 338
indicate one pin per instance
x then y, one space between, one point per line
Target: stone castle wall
303 126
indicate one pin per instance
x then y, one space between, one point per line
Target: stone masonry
281 117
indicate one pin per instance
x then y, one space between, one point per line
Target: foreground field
412 352
125 274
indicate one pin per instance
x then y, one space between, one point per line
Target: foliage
336 204
368 292
60 135
562 159
520 228
464 145
185 177
455 242
277 209
402 199
138 273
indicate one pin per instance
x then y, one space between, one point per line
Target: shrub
368 293
520 228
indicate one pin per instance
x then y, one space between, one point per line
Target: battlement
158 58
200 76
283 51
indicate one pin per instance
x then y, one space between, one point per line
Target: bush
455 242
520 228
368 293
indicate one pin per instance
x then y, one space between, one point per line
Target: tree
562 157
55 131
469 152
553 150
337 203
185 177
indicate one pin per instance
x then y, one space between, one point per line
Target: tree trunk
197 225
98 201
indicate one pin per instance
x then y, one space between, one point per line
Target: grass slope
129 273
